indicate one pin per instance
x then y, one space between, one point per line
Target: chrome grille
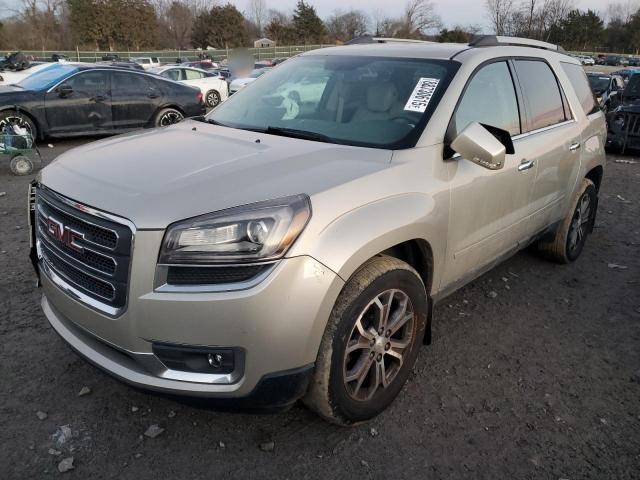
88 250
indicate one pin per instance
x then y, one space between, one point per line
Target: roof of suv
446 51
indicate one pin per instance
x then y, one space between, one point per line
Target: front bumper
277 324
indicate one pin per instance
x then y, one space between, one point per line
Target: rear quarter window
580 83
542 94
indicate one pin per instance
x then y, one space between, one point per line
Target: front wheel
12 117
571 236
370 343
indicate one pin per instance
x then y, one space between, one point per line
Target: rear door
135 99
552 139
82 103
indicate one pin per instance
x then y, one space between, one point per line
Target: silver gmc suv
292 243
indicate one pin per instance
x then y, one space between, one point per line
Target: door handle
98 98
526 165
153 95
574 147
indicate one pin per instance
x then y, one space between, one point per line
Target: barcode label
421 95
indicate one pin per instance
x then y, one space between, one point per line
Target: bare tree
500 14
257 13
343 26
419 19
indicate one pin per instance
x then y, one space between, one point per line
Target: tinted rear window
580 84
541 92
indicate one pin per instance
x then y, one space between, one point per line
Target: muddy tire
370 344
569 240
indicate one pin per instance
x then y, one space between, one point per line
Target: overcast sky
453 12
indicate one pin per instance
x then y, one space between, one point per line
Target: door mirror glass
65 90
480 146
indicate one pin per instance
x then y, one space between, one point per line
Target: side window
173 74
192 74
89 82
489 98
130 83
541 92
580 83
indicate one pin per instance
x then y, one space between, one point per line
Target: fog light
196 359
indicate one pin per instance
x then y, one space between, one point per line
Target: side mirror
483 145
65 90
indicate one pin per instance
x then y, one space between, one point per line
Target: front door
490 209
80 104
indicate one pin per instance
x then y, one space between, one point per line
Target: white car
147 62
242 82
214 88
9 77
586 60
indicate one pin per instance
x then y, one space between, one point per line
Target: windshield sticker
421 95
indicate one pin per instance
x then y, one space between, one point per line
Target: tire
571 236
21 165
167 116
19 118
212 98
346 402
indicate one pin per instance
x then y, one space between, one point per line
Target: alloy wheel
170 117
15 120
580 223
380 339
213 99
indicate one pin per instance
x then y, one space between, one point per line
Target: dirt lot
542 381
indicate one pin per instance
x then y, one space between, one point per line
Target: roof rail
498 40
372 39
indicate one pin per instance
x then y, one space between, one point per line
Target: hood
157 177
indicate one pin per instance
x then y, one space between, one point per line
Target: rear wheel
168 116
371 342
12 117
212 98
571 236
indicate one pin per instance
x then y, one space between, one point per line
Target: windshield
47 77
598 84
633 87
365 101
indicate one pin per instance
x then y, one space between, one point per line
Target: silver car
292 247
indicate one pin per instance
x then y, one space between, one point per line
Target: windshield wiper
302 134
203 119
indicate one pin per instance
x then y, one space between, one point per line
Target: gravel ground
540 381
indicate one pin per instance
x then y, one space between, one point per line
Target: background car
146 62
214 89
586 60
616 60
202 64
242 82
122 64
606 88
10 77
71 99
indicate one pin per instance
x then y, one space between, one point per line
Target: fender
31 114
361 233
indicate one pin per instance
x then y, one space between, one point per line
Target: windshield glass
366 101
598 84
47 77
633 87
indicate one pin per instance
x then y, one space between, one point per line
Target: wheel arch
28 113
595 175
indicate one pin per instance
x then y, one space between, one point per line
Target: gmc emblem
58 231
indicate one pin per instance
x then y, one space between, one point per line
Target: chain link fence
170 56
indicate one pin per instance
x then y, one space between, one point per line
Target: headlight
256 232
618 121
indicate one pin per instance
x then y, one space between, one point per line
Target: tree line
615 29
184 24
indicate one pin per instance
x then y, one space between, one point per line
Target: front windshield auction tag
421 95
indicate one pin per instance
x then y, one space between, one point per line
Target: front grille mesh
94 259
